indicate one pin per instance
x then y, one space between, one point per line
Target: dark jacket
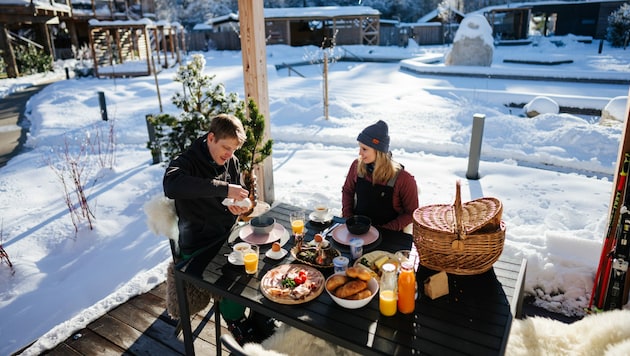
198 185
405 200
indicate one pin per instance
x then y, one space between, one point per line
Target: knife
329 229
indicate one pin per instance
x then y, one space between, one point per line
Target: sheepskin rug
291 341
606 333
161 216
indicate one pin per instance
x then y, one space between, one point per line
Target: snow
553 172
475 26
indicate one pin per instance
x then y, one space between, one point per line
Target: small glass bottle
406 288
387 292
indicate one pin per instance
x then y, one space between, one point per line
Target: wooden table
475 317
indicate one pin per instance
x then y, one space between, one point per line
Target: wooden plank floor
140 326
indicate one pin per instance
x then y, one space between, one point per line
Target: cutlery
329 229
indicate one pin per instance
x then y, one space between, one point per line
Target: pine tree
618 31
199 101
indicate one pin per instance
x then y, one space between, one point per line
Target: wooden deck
140 326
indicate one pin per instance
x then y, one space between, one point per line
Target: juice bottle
406 288
387 292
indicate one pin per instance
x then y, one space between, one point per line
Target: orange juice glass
297 222
387 302
250 260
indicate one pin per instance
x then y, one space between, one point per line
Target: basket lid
475 215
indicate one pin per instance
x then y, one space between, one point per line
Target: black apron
375 200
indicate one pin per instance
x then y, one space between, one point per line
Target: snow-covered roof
434 13
220 19
139 22
42 4
320 11
516 5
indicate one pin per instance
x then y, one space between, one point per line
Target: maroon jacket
405 198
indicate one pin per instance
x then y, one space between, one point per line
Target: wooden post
325 83
8 54
156 152
252 24
164 46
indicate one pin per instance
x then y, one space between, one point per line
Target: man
199 180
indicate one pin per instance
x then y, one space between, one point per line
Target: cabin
550 18
59 27
297 26
35 16
134 48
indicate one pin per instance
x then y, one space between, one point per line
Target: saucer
326 218
276 255
232 259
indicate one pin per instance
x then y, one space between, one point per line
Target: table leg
217 325
184 315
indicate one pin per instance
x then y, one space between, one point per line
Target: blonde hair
384 168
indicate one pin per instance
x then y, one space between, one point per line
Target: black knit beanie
376 136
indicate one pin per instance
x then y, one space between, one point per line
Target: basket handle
460 231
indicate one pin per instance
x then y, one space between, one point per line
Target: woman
377 186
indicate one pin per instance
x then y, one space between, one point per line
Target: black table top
474 318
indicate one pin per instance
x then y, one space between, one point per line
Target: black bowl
358 224
262 224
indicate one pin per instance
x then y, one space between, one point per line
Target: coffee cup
320 211
238 251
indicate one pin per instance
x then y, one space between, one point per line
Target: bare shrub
103 145
71 171
4 256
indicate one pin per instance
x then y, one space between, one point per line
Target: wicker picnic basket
463 239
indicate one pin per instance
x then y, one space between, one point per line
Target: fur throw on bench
605 333
162 220
288 340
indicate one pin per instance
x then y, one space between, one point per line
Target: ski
619 266
600 283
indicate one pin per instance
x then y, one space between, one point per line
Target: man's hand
237 192
237 210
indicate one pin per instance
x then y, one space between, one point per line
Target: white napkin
245 203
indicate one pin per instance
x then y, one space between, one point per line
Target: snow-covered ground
553 172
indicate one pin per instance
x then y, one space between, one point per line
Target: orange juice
387 302
297 226
406 288
250 259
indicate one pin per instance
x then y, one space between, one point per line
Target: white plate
232 259
246 233
276 255
326 218
343 236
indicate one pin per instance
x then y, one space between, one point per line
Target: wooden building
297 26
36 15
59 25
552 18
301 26
576 18
134 48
